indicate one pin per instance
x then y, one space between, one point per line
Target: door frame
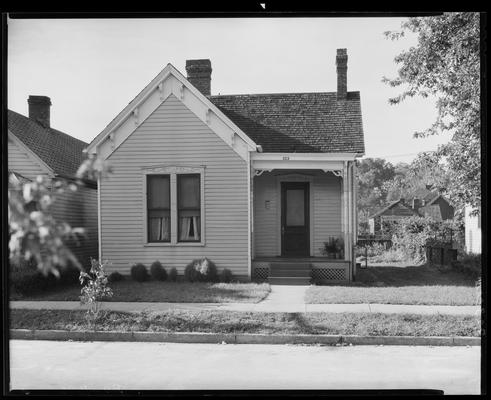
305 187
295 177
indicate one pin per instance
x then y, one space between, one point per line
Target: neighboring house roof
297 122
430 198
61 152
392 205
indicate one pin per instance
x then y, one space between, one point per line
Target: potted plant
330 247
339 247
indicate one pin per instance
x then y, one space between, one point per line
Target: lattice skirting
330 273
260 272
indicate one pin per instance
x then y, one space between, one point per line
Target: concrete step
289 264
290 272
284 280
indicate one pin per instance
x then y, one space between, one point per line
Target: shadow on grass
154 291
422 275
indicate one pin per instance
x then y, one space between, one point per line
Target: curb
242 338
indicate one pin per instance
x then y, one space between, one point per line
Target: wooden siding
173 135
19 161
326 211
79 209
473 238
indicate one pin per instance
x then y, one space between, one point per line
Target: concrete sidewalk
264 306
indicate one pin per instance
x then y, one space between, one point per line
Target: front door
295 240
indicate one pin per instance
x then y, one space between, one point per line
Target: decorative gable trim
31 155
169 82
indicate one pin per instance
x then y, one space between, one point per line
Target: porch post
355 219
345 211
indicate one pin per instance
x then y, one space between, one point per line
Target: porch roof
322 161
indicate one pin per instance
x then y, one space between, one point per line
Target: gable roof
164 85
391 205
61 152
298 122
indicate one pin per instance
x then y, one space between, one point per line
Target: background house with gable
35 148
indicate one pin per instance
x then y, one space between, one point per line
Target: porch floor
298 259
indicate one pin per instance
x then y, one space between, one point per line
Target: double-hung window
174 205
158 208
189 207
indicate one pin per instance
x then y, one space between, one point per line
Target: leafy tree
445 64
372 174
33 232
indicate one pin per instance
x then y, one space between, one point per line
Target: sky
92 68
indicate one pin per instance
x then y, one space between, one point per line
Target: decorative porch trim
259 172
339 174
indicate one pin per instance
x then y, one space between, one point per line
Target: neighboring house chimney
39 107
342 69
199 74
417 204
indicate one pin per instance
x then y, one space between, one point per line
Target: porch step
305 273
284 280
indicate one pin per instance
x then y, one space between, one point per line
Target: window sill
183 244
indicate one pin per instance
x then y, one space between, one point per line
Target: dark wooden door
295 238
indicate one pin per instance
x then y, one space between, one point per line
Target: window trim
173 171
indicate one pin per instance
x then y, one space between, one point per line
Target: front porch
298 206
305 270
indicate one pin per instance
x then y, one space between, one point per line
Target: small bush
468 264
25 278
226 276
157 271
201 270
173 274
139 273
115 277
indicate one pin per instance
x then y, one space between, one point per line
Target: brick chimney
417 203
342 69
39 109
199 74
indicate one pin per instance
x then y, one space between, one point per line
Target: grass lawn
175 292
249 322
400 285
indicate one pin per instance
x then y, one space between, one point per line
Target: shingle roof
392 204
61 152
297 122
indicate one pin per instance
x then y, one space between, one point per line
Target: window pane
188 191
158 226
295 207
158 191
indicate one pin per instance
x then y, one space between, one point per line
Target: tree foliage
445 64
33 232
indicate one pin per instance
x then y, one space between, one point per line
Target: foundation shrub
115 277
139 273
226 276
173 274
157 271
201 270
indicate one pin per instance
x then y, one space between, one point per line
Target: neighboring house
432 205
472 231
34 148
393 212
250 181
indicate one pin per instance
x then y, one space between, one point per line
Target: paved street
160 366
